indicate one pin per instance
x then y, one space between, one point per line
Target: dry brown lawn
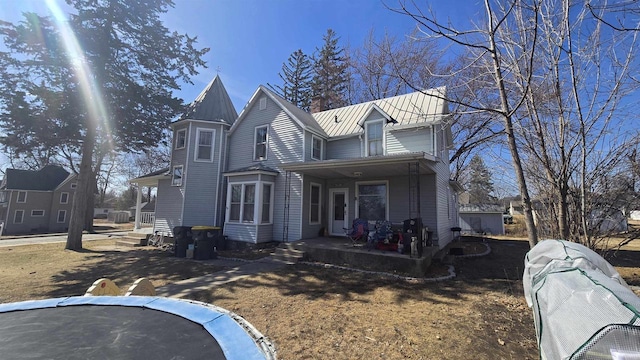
316 313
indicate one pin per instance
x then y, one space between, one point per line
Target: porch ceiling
366 167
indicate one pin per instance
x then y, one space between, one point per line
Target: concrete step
287 256
133 240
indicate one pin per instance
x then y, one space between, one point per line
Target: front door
338 211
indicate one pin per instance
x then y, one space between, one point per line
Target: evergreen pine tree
296 75
331 78
480 184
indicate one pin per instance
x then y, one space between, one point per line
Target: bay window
250 203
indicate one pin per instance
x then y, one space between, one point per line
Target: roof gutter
377 160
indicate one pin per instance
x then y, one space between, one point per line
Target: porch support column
138 207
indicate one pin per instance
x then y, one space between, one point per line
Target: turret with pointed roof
213 104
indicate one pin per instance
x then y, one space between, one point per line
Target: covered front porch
145 221
392 188
341 252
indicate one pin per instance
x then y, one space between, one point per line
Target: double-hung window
374 136
316 148
62 216
181 139
176 176
22 197
18 216
261 141
64 198
250 203
204 150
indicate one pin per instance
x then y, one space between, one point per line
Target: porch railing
147 218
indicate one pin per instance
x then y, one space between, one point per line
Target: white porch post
138 207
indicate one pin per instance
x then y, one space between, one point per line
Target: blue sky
250 39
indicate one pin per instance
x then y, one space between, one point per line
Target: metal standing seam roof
413 108
213 104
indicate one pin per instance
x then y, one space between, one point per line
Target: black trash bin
206 241
182 239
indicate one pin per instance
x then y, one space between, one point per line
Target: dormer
373 123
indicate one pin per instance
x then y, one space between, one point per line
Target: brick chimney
317 104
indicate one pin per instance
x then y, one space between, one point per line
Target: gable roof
409 109
301 117
213 104
46 179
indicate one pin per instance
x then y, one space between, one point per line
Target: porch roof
151 179
365 167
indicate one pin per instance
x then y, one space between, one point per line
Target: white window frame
64 216
196 153
41 215
313 139
66 199
23 200
74 186
257 206
15 215
261 206
182 145
366 136
263 103
173 175
373 182
255 143
318 205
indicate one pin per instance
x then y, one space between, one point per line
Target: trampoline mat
103 332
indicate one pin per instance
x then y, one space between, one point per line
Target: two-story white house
276 172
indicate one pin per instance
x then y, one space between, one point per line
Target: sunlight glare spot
91 93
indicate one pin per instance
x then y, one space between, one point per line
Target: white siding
285 144
201 182
168 207
240 232
409 140
348 148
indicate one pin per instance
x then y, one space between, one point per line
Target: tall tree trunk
511 139
83 190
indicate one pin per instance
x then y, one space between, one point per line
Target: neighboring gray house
276 172
482 219
36 201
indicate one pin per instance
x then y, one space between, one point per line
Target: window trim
64 217
311 204
257 205
372 182
196 152
15 215
366 136
313 139
74 185
184 140
23 200
266 143
32 215
173 173
263 103
67 199
271 198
